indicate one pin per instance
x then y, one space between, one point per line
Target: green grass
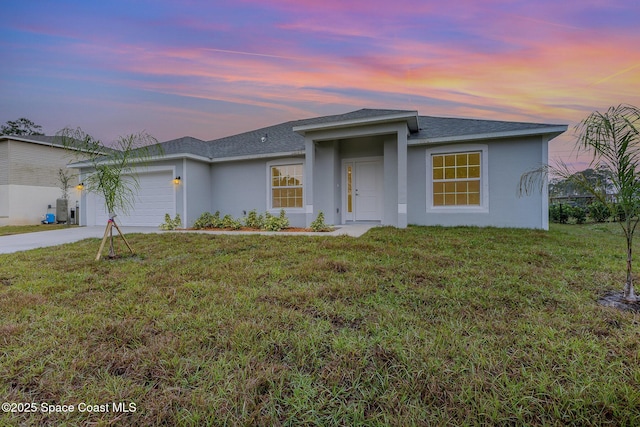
7 230
422 326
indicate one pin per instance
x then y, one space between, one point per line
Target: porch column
310 158
402 177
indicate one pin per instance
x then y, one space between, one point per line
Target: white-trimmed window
457 178
286 186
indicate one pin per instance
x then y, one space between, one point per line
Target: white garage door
155 198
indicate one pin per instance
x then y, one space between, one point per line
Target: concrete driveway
43 239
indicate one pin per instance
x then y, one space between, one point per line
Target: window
457 179
286 186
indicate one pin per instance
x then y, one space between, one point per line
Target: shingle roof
443 127
281 138
186 144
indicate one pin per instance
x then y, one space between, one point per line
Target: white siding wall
29 181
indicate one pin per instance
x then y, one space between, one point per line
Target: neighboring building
29 182
391 167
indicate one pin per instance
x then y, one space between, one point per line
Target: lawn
422 326
7 230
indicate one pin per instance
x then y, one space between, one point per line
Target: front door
363 198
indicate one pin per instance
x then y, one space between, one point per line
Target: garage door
155 198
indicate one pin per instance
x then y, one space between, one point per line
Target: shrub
276 223
318 224
208 220
171 224
253 220
599 212
579 213
230 222
559 213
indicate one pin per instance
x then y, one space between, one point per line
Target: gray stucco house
392 167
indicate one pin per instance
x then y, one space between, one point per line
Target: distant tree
612 139
21 126
113 175
597 178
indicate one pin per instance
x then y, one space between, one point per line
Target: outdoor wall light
80 186
176 180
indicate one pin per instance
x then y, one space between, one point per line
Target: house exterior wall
326 190
4 163
193 196
390 213
27 204
29 181
35 164
4 181
241 186
508 159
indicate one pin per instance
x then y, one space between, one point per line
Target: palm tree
612 139
113 176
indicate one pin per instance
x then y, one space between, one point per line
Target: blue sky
214 68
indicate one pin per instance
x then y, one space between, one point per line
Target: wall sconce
176 180
80 186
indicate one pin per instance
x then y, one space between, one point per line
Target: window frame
284 162
483 207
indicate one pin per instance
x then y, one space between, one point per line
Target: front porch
356 172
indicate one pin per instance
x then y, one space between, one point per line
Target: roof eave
411 118
257 156
552 131
80 165
32 141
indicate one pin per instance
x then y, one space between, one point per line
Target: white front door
363 190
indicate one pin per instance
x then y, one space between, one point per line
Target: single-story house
29 181
392 167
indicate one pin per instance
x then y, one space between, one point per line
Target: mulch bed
286 230
616 299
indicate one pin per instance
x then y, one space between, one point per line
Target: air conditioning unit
62 210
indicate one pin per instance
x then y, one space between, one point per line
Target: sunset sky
208 69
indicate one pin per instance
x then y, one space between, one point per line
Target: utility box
62 210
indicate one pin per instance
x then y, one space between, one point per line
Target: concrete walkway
43 239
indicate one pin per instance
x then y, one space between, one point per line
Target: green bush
579 214
171 224
230 222
208 220
599 212
253 220
559 213
318 224
276 223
